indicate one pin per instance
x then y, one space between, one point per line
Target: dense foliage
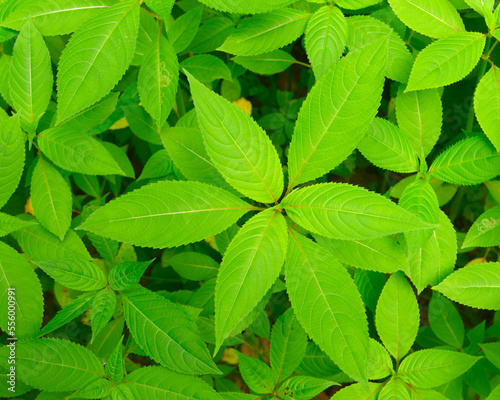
250 199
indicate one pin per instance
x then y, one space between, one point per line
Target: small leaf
270 63
103 308
127 274
487 105
75 273
206 68
194 266
397 317
256 374
423 262
380 365
431 368
446 61
492 352
485 231
306 387
211 35
476 286
162 7
9 224
395 389
266 32
316 363
115 366
445 321
12 160
182 32
446 237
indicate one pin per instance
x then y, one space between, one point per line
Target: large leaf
9 224
288 346
250 266
468 162
12 157
158 79
395 389
306 387
485 232
446 61
337 113
237 146
73 150
54 17
30 77
256 374
194 266
431 368
51 198
161 384
343 211
182 32
364 29
328 305
397 317
75 273
245 7
166 332
423 262
386 146
167 214
487 105
55 364
270 63
96 57
476 286
206 68
434 18
420 117
325 40
358 391
20 284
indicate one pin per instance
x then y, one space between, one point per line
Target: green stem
482 70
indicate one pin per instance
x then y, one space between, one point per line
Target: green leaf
194 266
175 213
142 124
386 146
370 285
270 63
98 389
397 317
149 30
423 263
245 7
468 162
31 79
395 389
382 254
127 274
352 88
288 346
358 392
316 363
256 374
51 198
306 387
12 155
115 366
5 388
356 4
492 352
158 79
162 7
19 282
343 211
446 237
187 151
121 158
161 384
434 18
487 105
96 57
266 32
431 368
166 332
182 32
55 365
231 138
73 150
485 231
445 321
103 308
380 365
325 39
54 17
484 8
75 273
211 35
429 394
328 305
446 61
9 224
206 68
250 266
476 286
68 313
41 245
159 165
420 117
364 29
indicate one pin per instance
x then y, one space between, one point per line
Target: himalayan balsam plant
250 199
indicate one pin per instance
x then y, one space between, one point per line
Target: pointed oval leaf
194 266
237 146
162 7
127 274
103 308
487 105
256 374
167 214
355 4
446 237
325 136
96 57
12 155
115 365
380 365
445 321
328 305
395 389
270 63
245 7
359 391
485 232
182 32
306 387
9 224
207 68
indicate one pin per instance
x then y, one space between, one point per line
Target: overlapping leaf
12 155
485 232
487 105
245 7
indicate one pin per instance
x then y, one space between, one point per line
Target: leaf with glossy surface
468 162
476 286
328 305
206 68
487 105
325 135
96 57
237 146
485 232
175 213
166 332
446 61
270 63
12 155
250 266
